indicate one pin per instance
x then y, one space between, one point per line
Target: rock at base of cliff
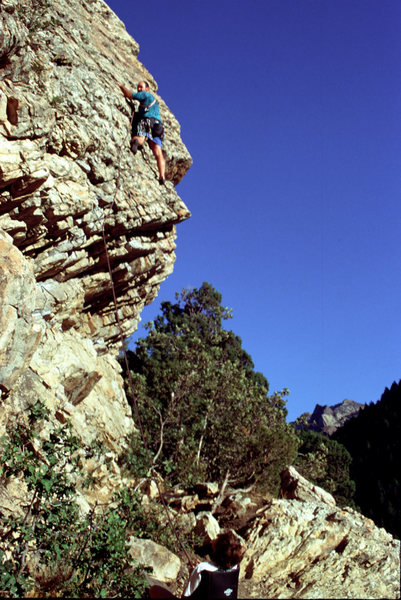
294 486
165 565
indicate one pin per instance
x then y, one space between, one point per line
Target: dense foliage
326 463
47 545
373 440
205 412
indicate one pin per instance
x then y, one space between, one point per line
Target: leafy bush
48 546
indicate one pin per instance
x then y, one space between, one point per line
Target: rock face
327 419
303 547
165 565
66 176
309 550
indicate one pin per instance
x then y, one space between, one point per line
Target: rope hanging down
130 382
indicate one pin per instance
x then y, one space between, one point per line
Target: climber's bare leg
158 154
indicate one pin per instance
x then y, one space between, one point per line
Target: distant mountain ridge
327 419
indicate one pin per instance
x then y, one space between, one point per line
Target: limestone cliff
65 170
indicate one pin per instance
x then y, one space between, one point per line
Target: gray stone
327 419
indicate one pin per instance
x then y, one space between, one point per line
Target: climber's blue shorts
156 140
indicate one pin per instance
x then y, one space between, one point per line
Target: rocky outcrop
304 547
327 419
308 550
67 181
296 487
64 156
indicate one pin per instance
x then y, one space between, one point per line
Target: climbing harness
148 125
130 382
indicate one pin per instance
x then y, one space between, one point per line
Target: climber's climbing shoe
134 146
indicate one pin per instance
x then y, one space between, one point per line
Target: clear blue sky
291 112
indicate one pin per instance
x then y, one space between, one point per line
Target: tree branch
220 497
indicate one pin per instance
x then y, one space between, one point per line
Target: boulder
164 564
207 527
294 486
238 504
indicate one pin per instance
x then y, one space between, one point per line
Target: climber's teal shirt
145 99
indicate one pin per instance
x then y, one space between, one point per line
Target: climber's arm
127 93
140 96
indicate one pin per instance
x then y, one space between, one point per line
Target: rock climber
217 578
147 124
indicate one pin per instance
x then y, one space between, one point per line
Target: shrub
49 546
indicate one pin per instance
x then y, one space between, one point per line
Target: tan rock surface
207 527
165 565
64 158
308 550
66 172
295 486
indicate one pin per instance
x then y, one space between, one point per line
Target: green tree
373 438
326 463
206 413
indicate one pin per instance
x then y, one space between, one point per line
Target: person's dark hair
227 550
